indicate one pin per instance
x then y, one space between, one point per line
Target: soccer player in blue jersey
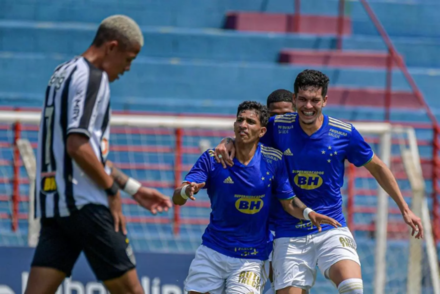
280 102
237 241
315 148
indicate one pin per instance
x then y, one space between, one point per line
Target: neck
94 56
310 129
245 152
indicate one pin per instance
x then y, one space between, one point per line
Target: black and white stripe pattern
77 101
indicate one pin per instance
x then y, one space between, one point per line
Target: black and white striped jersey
77 101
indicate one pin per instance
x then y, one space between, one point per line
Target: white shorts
216 273
295 259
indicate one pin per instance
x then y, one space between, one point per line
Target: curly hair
260 109
279 95
311 78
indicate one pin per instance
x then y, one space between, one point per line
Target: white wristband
132 186
306 213
183 192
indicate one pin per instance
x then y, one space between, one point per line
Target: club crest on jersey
249 204
308 181
48 184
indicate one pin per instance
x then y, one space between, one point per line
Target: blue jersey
240 201
316 167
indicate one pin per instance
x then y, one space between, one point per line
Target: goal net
158 150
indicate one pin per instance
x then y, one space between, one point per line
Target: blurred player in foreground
315 148
77 190
280 102
237 241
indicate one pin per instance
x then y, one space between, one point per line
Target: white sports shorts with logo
216 273
295 259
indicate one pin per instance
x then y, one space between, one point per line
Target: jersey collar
316 134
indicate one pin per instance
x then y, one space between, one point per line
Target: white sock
351 286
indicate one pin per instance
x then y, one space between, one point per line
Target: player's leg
109 253
54 257
339 261
246 276
294 265
207 272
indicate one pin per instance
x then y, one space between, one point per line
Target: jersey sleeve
86 87
359 152
282 190
267 139
200 171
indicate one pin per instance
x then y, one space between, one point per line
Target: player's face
119 60
247 127
309 103
282 107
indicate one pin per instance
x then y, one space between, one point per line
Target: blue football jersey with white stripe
240 201
315 165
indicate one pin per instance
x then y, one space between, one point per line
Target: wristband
132 186
183 192
306 213
113 190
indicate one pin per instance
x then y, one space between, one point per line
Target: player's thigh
294 264
44 280
247 276
54 257
338 255
109 253
128 283
207 272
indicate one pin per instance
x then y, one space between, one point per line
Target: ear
324 103
263 131
111 46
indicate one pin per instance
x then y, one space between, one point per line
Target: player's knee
351 286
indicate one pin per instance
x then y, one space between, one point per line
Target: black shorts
90 229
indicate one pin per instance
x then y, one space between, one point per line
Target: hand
152 200
115 206
223 150
317 219
414 222
193 189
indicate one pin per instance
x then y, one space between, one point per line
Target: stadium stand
203 57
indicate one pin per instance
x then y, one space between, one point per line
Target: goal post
159 149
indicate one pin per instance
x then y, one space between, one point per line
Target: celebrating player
280 102
315 148
77 195
237 241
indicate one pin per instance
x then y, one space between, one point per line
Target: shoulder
271 153
287 118
339 127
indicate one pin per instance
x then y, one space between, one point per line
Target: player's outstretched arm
80 150
296 208
386 180
148 198
225 152
185 192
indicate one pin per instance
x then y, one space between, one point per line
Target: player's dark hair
260 109
279 95
311 78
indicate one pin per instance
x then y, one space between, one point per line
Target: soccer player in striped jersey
237 241
77 189
315 148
